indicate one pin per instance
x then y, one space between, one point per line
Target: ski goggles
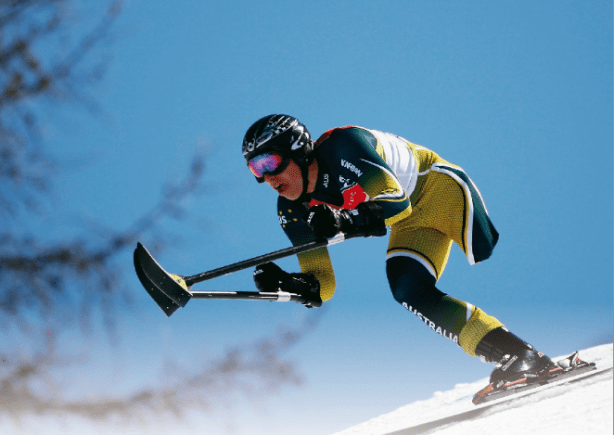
267 163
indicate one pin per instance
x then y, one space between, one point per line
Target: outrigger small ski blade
164 302
172 291
164 290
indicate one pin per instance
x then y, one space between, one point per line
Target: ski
566 370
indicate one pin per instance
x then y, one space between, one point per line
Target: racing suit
428 203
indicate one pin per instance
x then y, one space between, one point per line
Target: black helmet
281 133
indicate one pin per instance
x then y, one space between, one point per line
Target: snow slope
584 407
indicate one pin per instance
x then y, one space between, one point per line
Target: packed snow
583 407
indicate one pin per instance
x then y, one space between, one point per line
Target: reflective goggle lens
265 164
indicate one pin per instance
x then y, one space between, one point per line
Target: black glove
269 277
368 217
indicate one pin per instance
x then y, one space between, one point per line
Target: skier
354 179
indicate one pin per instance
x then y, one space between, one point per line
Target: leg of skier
467 325
449 209
415 288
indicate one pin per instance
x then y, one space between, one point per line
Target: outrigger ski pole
171 291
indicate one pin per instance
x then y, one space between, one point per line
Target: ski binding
567 368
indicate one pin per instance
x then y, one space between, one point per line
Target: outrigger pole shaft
171 291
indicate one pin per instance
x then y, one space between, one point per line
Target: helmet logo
298 144
257 142
248 146
273 129
265 137
276 131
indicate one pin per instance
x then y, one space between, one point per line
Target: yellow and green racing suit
428 203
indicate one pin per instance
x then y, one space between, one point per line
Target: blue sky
517 93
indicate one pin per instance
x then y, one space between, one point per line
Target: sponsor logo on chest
351 167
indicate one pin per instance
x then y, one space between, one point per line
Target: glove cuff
366 217
306 285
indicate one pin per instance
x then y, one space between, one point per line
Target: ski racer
354 179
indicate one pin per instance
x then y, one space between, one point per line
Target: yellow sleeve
317 262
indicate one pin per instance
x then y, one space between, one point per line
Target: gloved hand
368 217
269 277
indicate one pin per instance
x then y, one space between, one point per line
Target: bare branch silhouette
34 71
249 370
34 275
47 288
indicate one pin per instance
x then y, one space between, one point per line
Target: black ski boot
516 361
